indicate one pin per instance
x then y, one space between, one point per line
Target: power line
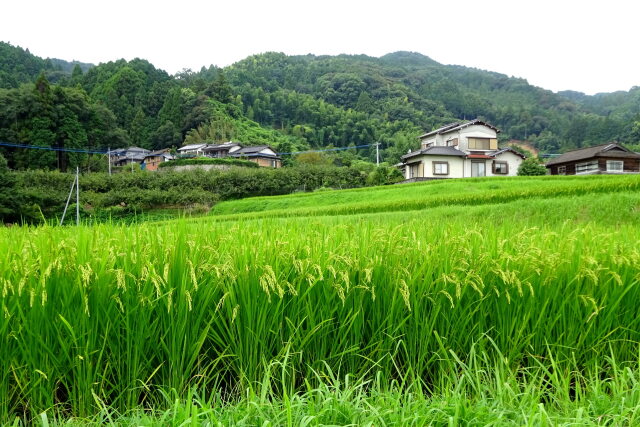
39 147
328 149
87 151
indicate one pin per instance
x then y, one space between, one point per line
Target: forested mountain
291 102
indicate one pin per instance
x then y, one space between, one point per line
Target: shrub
531 167
209 161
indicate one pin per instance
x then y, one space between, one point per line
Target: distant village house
152 160
263 155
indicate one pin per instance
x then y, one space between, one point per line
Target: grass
421 196
508 309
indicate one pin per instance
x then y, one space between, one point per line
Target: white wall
456 165
475 131
512 160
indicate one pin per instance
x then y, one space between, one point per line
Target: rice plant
531 301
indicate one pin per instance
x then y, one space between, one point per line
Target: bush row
209 161
42 194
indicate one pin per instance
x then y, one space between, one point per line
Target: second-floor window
483 144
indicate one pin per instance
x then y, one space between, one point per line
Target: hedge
209 161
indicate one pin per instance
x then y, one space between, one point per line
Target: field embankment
515 310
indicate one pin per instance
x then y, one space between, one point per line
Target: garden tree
384 174
531 167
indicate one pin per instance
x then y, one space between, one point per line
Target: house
152 160
263 155
221 150
192 150
610 158
459 150
125 156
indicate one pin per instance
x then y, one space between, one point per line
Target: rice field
483 302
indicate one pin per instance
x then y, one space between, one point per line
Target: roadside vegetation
504 301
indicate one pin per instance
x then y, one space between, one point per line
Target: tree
531 167
312 158
8 198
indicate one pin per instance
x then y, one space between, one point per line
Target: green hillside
295 103
482 302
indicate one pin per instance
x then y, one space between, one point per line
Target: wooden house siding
629 166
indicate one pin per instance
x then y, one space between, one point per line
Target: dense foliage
209 161
520 308
531 167
295 102
37 195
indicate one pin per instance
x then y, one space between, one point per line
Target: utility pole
377 154
64 213
109 157
77 196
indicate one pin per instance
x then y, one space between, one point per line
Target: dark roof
610 149
254 149
160 153
504 150
452 127
224 145
436 151
128 151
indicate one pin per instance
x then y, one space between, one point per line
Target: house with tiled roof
460 150
263 155
609 158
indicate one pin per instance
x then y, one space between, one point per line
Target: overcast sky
589 46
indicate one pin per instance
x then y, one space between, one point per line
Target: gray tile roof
452 127
610 149
249 150
436 151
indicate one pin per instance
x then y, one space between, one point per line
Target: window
452 142
586 167
413 170
483 144
615 165
562 170
441 168
500 168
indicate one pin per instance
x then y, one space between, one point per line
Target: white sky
589 46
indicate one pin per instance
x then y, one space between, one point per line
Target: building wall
266 162
463 135
629 166
425 170
513 161
475 131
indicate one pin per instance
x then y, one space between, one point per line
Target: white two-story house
460 150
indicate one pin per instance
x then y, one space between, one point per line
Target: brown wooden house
610 158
